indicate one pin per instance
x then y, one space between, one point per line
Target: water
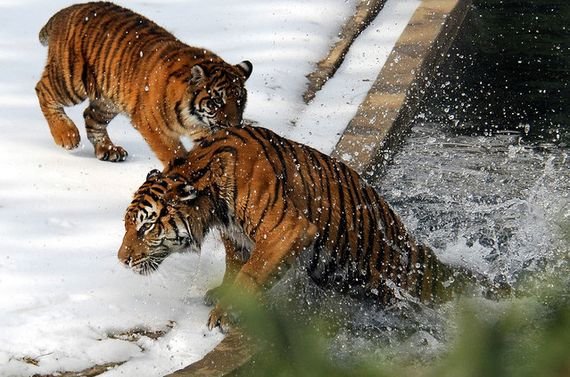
493 203
509 69
484 176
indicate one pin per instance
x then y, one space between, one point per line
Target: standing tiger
124 63
277 201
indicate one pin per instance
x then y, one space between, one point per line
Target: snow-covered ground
64 298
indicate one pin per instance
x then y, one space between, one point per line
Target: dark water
508 70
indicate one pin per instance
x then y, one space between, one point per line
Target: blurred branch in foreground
526 337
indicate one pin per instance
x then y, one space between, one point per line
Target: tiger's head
219 95
156 224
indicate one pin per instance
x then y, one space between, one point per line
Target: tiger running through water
277 201
124 63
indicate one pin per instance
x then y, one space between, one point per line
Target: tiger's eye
146 227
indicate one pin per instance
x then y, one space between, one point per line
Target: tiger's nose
126 261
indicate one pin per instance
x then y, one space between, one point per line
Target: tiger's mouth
193 119
212 124
148 264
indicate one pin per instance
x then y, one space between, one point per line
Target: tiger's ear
245 68
153 174
187 192
198 74
181 192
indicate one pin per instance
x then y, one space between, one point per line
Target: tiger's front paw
66 135
111 152
212 296
220 317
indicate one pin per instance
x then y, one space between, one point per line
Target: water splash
490 203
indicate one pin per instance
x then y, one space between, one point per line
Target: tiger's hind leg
97 116
53 94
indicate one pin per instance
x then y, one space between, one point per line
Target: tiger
125 63
277 202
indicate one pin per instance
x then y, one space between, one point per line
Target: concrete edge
385 115
232 353
365 12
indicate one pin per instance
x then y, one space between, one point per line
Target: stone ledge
365 12
233 352
385 115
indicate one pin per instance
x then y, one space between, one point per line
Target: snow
320 127
64 298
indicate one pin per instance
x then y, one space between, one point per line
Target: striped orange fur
124 63
277 201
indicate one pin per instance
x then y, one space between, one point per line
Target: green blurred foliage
530 339
527 337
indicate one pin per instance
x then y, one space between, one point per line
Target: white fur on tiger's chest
235 233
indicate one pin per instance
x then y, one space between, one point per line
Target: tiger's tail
46 30
439 282
44 33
